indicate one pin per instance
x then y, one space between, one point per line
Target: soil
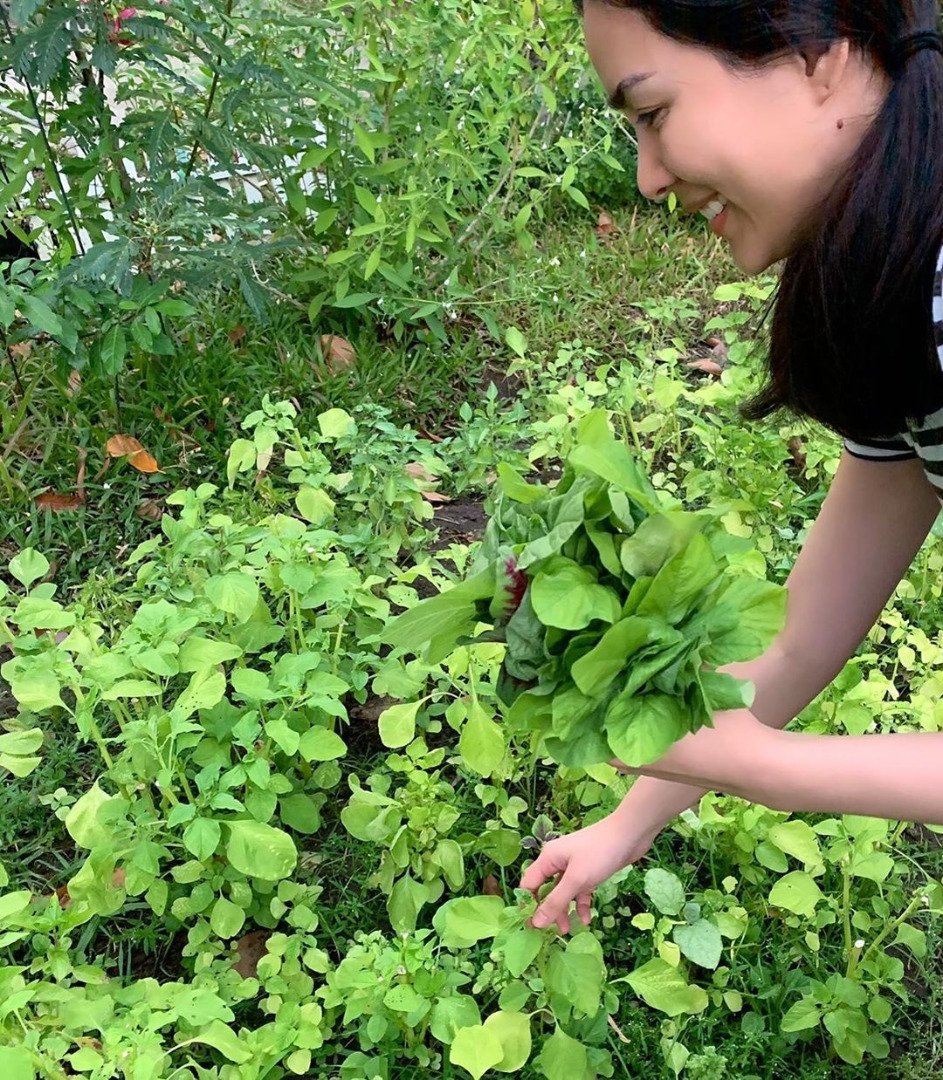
459 522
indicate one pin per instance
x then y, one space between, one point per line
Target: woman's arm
897 776
871 525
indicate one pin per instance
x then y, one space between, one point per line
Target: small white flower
556 262
107 487
859 944
556 299
418 129
583 253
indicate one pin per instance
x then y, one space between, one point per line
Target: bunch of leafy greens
616 609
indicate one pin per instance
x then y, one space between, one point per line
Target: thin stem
214 86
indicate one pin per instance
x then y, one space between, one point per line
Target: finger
584 907
544 867
556 907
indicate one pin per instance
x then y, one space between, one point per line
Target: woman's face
766 144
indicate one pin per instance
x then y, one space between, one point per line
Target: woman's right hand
581 861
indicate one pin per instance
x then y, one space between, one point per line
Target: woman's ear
825 67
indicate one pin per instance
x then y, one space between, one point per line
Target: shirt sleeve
898 448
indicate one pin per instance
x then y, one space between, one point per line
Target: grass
646 287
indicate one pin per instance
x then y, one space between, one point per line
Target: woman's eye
650 118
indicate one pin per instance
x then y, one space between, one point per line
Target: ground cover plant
243 835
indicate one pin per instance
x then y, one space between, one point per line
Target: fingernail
539 922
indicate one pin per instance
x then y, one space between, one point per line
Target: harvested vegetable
616 608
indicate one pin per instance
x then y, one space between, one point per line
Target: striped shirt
925 439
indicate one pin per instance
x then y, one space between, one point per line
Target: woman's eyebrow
617 99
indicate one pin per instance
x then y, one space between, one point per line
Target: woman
810 132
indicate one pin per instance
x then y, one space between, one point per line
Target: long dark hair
851 336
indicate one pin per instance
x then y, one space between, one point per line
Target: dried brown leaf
708 367
338 353
59 502
236 334
143 462
149 510
251 949
122 445
491 886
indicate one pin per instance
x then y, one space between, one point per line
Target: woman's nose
654 180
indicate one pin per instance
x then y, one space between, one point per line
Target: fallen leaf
251 949
721 353
338 353
435 497
605 226
491 886
709 367
58 502
149 510
75 382
418 471
143 462
236 334
797 452
122 445
21 349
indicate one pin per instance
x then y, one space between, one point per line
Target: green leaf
198 652
665 890
594 672
223 1039
796 892
516 341
663 987
680 581
17 1063
438 622
29 566
114 348
321 744
366 144
700 942
41 316
260 851
482 743
300 812
335 424
761 615
798 839
801 1016
562 1057
85 821
406 900
403 998
566 595
235 593
520 950
476 1050
450 1014
397 724
513 1033
463 922
204 690
226 918
641 729
201 838
577 973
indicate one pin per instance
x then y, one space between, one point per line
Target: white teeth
713 208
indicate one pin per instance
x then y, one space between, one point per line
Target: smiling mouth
713 209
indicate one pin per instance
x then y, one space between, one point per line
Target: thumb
550 862
556 907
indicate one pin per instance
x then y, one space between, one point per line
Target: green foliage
615 607
315 158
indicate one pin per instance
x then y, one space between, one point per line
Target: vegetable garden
353 529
